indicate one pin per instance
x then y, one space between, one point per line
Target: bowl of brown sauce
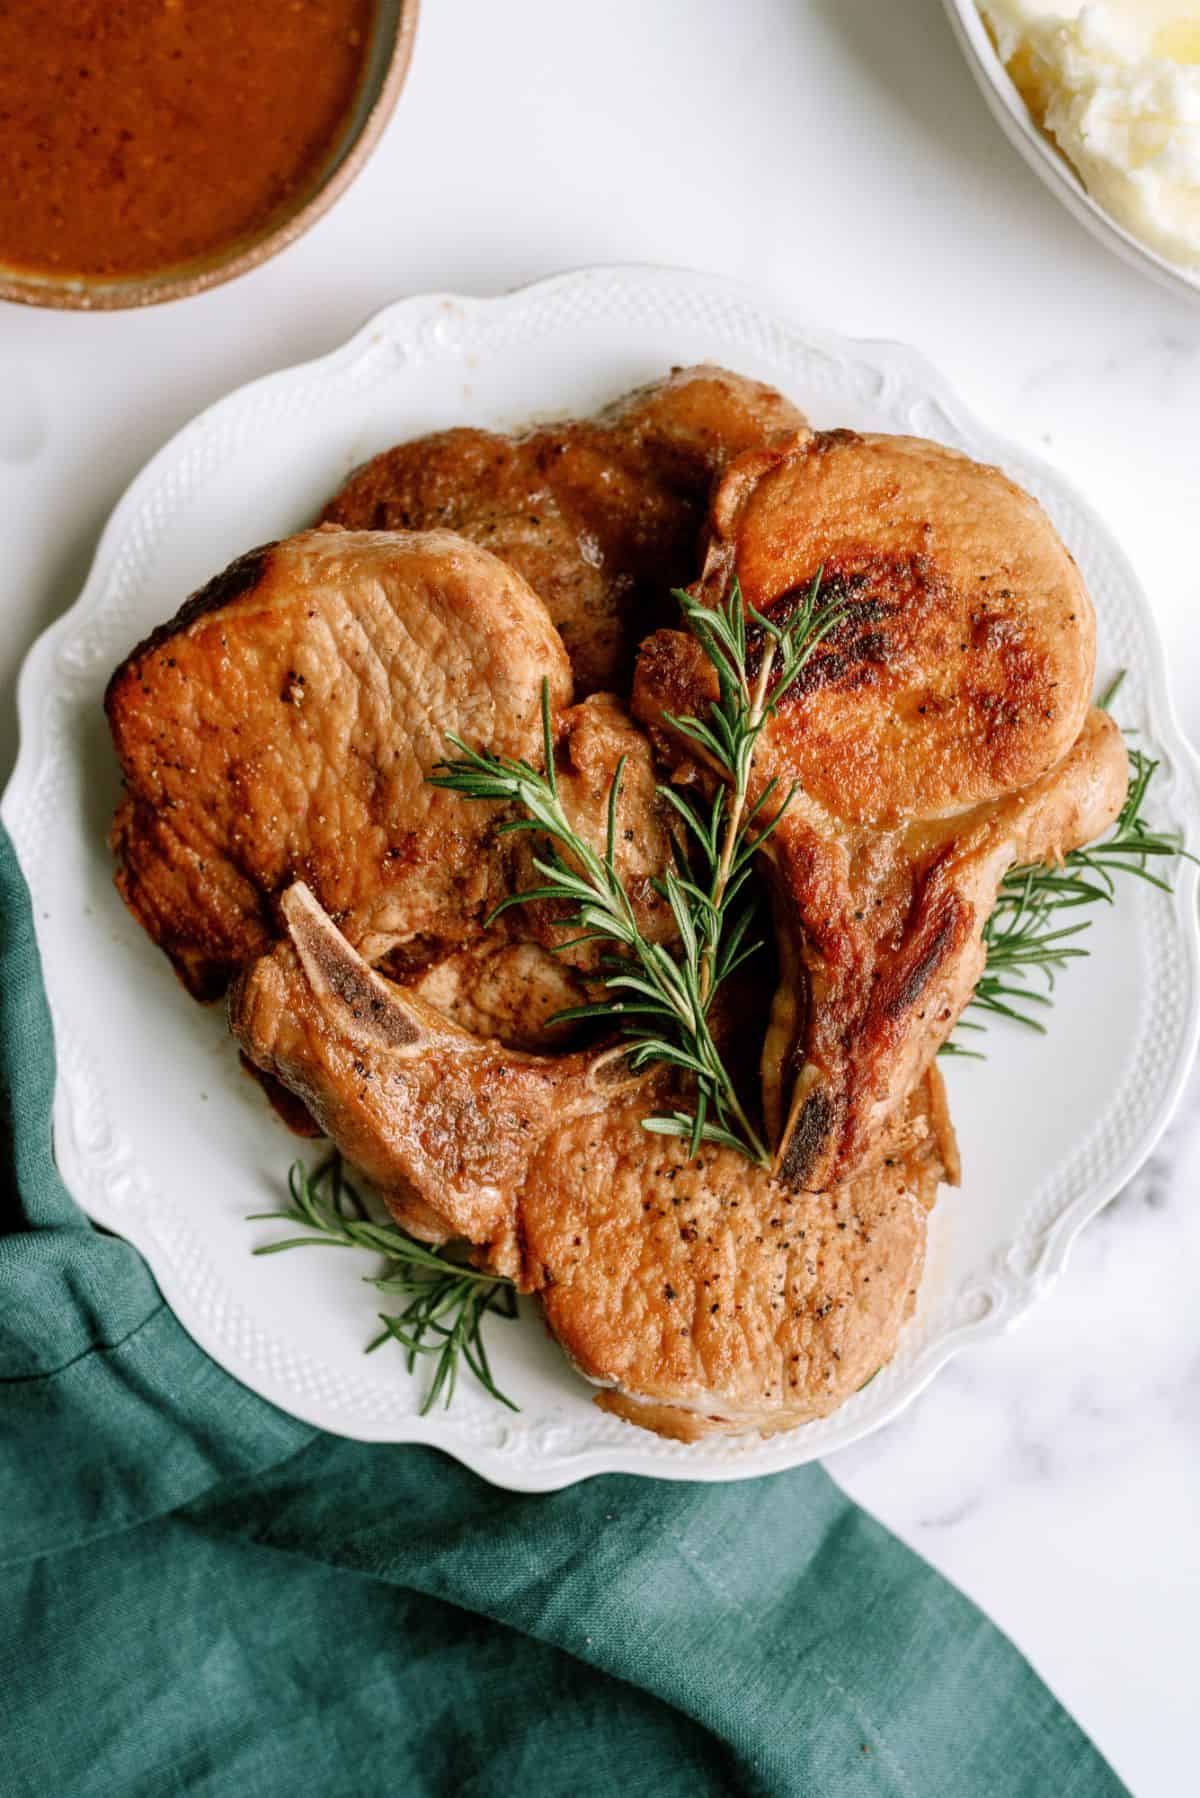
150 149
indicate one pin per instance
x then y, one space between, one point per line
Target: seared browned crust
939 735
243 575
600 515
497 987
285 724
234 785
707 1292
965 668
511 989
895 949
703 1291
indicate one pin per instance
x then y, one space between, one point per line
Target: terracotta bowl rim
84 294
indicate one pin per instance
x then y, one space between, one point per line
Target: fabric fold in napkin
200 1595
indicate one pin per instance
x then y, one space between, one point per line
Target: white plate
162 1139
1015 120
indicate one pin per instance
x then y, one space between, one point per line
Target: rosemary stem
659 999
447 1299
758 1152
733 825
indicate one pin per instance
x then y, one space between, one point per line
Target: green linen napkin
201 1595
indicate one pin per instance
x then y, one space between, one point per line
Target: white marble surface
835 154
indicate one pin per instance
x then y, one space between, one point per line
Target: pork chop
600 515
700 1293
285 723
939 735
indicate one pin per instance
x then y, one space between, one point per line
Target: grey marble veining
1055 1474
835 153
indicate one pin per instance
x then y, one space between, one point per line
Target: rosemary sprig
447 1300
726 837
1025 937
660 1002
666 1018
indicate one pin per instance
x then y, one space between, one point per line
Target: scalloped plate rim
787 1449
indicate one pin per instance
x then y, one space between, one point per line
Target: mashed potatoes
1116 84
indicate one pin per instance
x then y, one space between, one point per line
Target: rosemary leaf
448 1300
1026 936
661 1002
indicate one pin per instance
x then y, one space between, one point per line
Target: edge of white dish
538 1460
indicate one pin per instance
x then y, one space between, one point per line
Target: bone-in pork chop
285 723
701 1294
600 515
939 735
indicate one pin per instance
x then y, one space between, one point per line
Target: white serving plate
1014 119
161 1138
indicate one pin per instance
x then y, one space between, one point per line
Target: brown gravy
136 135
